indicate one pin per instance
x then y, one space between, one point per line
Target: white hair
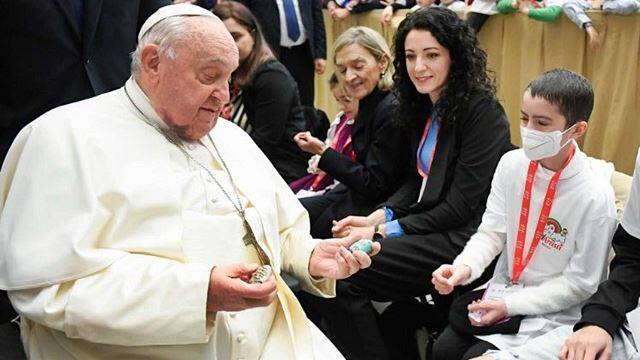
165 34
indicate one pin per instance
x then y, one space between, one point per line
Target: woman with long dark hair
457 131
265 101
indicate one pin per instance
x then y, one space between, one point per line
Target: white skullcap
182 9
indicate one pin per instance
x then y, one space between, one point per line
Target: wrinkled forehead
208 40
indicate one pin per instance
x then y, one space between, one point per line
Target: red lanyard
518 264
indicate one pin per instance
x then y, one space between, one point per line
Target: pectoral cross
249 237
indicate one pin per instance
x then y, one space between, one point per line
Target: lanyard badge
519 264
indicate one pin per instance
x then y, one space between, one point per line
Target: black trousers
401 271
323 209
454 346
476 20
10 343
299 61
400 321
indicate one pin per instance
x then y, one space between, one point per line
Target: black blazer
273 109
266 11
48 61
465 159
381 157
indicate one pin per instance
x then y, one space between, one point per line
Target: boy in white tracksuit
547 201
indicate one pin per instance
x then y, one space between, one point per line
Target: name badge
495 291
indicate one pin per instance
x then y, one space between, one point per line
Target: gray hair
374 43
165 34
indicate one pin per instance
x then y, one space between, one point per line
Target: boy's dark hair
570 91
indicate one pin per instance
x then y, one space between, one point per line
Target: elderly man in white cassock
132 222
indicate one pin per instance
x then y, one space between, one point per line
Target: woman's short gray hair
165 34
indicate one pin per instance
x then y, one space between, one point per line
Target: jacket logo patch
554 235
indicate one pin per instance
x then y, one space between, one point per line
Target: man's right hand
447 277
230 290
589 343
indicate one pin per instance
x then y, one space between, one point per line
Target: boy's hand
447 277
492 311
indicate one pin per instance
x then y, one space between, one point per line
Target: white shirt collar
142 102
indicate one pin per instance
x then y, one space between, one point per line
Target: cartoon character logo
554 235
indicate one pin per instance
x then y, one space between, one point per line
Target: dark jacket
49 61
618 295
381 156
465 159
273 109
266 11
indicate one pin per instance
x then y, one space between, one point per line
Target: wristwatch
377 235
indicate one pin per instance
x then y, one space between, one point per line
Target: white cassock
109 233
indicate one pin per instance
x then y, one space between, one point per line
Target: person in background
457 131
294 29
458 6
363 64
479 12
541 10
341 9
317 182
265 103
576 11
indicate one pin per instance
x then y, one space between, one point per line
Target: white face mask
541 145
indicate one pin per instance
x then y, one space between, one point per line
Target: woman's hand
343 227
307 143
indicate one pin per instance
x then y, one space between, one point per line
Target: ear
580 129
150 60
383 64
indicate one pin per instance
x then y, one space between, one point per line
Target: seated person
601 331
341 9
133 222
479 12
550 215
362 60
576 10
459 6
317 182
266 103
457 132
541 10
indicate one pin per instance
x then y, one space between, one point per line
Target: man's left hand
320 65
331 259
589 343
